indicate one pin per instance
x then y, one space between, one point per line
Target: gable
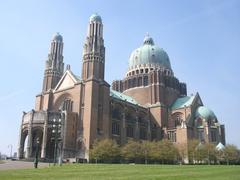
67 81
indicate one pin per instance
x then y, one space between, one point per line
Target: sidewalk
9 164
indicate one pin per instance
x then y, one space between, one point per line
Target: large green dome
204 112
149 53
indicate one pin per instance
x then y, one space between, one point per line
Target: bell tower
94 50
97 90
54 64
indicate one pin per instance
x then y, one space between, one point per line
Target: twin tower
80 104
93 56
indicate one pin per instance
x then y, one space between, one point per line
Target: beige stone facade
149 103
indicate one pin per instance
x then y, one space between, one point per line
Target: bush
105 150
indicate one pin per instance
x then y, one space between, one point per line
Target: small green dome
149 53
57 37
205 113
95 18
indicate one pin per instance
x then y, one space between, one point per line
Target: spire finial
148 39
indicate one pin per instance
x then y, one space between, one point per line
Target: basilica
148 103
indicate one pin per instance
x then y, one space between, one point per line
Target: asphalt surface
20 165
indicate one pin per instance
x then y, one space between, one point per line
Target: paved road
20 165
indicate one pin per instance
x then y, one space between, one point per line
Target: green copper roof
95 18
204 112
182 102
149 53
122 97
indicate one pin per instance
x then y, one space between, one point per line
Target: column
29 143
44 141
136 133
149 130
123 128
20 146
21 143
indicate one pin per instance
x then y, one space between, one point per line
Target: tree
105 150
231 154
210 152
183 152
131 151
169 152
146 149
192 149
163 151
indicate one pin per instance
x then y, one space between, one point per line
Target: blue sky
201 38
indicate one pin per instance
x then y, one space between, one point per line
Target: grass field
106 171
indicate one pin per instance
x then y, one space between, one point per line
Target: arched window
129 83
115 128
67 105
145 80
177 121
213 136
116 113
143 133
140 81
134 82
130 131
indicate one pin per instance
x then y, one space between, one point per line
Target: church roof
204 112
149 53
122 97
182 102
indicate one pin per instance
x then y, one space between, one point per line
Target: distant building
149 103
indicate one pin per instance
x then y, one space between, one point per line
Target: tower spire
54 64
94 50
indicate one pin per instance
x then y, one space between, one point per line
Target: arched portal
37 136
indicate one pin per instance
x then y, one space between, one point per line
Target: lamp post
57 130
56 126
61 133
36 155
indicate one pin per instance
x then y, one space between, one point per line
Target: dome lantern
148 40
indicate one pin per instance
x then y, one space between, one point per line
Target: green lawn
106 171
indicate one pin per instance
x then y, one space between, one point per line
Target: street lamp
36 155
57 132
